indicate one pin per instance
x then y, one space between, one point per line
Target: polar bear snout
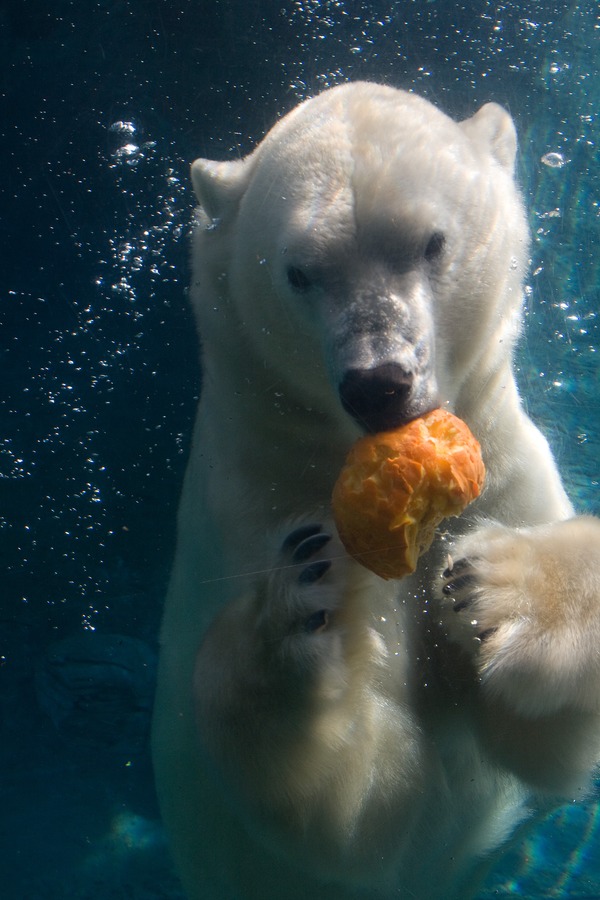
378 398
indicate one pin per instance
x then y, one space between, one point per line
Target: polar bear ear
494 128
219 186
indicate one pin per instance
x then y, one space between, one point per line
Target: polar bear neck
286 442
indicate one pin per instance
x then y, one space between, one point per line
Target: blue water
102 106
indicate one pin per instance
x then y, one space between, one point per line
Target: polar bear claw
461 586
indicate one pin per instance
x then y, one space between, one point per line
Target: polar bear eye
298 279
434 247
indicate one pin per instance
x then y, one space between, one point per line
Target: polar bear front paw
315 603
300 546
306 584
462 586
311 616
525 603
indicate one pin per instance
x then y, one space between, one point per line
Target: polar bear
320 732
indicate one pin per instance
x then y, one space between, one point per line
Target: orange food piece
396 487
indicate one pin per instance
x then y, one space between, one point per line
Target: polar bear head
370 248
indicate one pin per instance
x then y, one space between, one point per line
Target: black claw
309 546
462 604
461 565
298 535
317 622
312 573
484 635
458 584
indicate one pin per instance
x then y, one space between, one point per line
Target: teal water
102 106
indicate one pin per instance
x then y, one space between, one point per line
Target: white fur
344 737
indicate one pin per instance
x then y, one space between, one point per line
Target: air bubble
123 128
554 160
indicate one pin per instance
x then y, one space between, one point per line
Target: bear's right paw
305 574
300 546
315 621
306 608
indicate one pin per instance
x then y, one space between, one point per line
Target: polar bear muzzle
378 398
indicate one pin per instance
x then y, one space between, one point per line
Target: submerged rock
99 688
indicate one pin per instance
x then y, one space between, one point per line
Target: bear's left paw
525 604
462 586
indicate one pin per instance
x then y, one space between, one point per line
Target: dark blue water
102 107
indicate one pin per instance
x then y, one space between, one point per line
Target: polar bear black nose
377 398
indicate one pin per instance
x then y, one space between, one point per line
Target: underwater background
103 105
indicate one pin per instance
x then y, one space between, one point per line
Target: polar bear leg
333 765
